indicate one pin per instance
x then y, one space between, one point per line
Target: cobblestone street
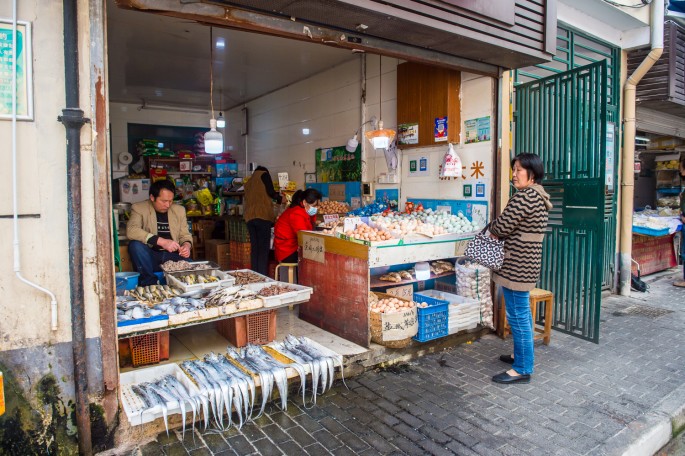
582 400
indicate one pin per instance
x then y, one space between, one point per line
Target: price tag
313 248
404 292
351 223
330 218
460 248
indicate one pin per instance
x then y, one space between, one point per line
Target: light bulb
214 141
220 121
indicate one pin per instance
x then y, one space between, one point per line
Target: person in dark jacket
300 216
259 215
522 226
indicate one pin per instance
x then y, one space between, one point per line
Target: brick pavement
585 399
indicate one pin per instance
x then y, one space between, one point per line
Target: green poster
336 164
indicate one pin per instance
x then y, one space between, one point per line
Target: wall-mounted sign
22 51
313 248
408 133
477 130
440 131
609 161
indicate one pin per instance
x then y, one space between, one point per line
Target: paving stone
266 447
290 448
353 442
252 432
333 426
241 445
343 451
326 439
409 432
308 423
215 442
165 439
283 420
175 449
152 449
407 446
302 437
202 451
379 443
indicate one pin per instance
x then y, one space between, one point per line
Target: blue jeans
520 320
147 261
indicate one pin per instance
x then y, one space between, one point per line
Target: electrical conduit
628 156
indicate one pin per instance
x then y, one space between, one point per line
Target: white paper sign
283 180
398 326
330 218
313 248
403 291
351 223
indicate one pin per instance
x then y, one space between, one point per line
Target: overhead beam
235 18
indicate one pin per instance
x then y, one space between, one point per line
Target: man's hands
184 251
168 244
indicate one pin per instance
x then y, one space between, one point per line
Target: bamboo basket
376 324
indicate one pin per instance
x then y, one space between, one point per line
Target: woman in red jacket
299 216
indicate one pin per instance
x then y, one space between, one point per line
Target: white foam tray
225 280
265 278
301 294
326 351
133 406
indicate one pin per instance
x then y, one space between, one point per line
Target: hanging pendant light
380 138
214 140
221 121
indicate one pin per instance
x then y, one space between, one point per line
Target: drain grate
643 311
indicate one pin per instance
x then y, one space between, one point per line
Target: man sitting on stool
158 232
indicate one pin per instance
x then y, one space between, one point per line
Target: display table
653 253
342 272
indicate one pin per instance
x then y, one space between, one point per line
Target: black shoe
506 378
506 359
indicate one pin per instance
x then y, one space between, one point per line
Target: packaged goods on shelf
473 281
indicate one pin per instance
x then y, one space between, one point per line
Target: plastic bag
473 281
451 163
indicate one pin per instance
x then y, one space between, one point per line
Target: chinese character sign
22 53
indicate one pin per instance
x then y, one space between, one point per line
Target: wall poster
477 130
440 129
22 50
335 164
408 133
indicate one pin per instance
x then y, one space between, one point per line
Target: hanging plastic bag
451 163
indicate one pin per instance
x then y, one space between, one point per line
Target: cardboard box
218 251
125 264
134 190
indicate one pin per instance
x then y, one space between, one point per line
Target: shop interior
168 77
657 228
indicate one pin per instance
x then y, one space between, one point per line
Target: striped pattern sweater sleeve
522 226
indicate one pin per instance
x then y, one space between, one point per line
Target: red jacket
291 221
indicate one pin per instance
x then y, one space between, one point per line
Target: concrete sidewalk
621 396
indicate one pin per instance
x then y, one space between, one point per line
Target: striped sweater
522 228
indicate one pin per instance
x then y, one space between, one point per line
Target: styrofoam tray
326 351
129 326
225 280
266 278
133 406
301 293
212 265
194 315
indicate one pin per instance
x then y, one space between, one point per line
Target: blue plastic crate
433 320
161 278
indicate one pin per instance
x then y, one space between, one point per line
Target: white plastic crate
301 293
225 280
265 278
133 406
463 313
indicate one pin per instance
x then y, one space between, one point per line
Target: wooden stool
537 296
292 267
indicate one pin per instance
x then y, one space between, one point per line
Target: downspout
73 120
15 211
628 156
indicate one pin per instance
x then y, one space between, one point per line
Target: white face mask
312 210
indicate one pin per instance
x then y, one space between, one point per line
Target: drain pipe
628 156
15 212
73 120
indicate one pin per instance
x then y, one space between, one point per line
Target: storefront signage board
313 248
22 51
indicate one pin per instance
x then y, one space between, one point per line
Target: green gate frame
563 118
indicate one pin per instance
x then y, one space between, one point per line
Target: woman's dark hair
532 163
162 184
311 196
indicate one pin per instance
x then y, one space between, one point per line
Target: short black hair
532 163
162 184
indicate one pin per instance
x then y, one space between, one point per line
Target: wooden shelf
375 282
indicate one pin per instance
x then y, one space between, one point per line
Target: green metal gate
563 119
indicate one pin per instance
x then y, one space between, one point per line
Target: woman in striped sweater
522 227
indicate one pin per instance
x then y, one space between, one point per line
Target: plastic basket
126 280
147 349
256 328
240 252
433 320
237 229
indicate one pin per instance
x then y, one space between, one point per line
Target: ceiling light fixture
380 138
214 141
221 121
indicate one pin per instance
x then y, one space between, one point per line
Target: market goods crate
433 320
149 348
237 229
174 279
256 328
258 278
393 330
218 251
240 252
203 229
135 409
299 294
463 313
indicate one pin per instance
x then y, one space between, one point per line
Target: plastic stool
537 297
